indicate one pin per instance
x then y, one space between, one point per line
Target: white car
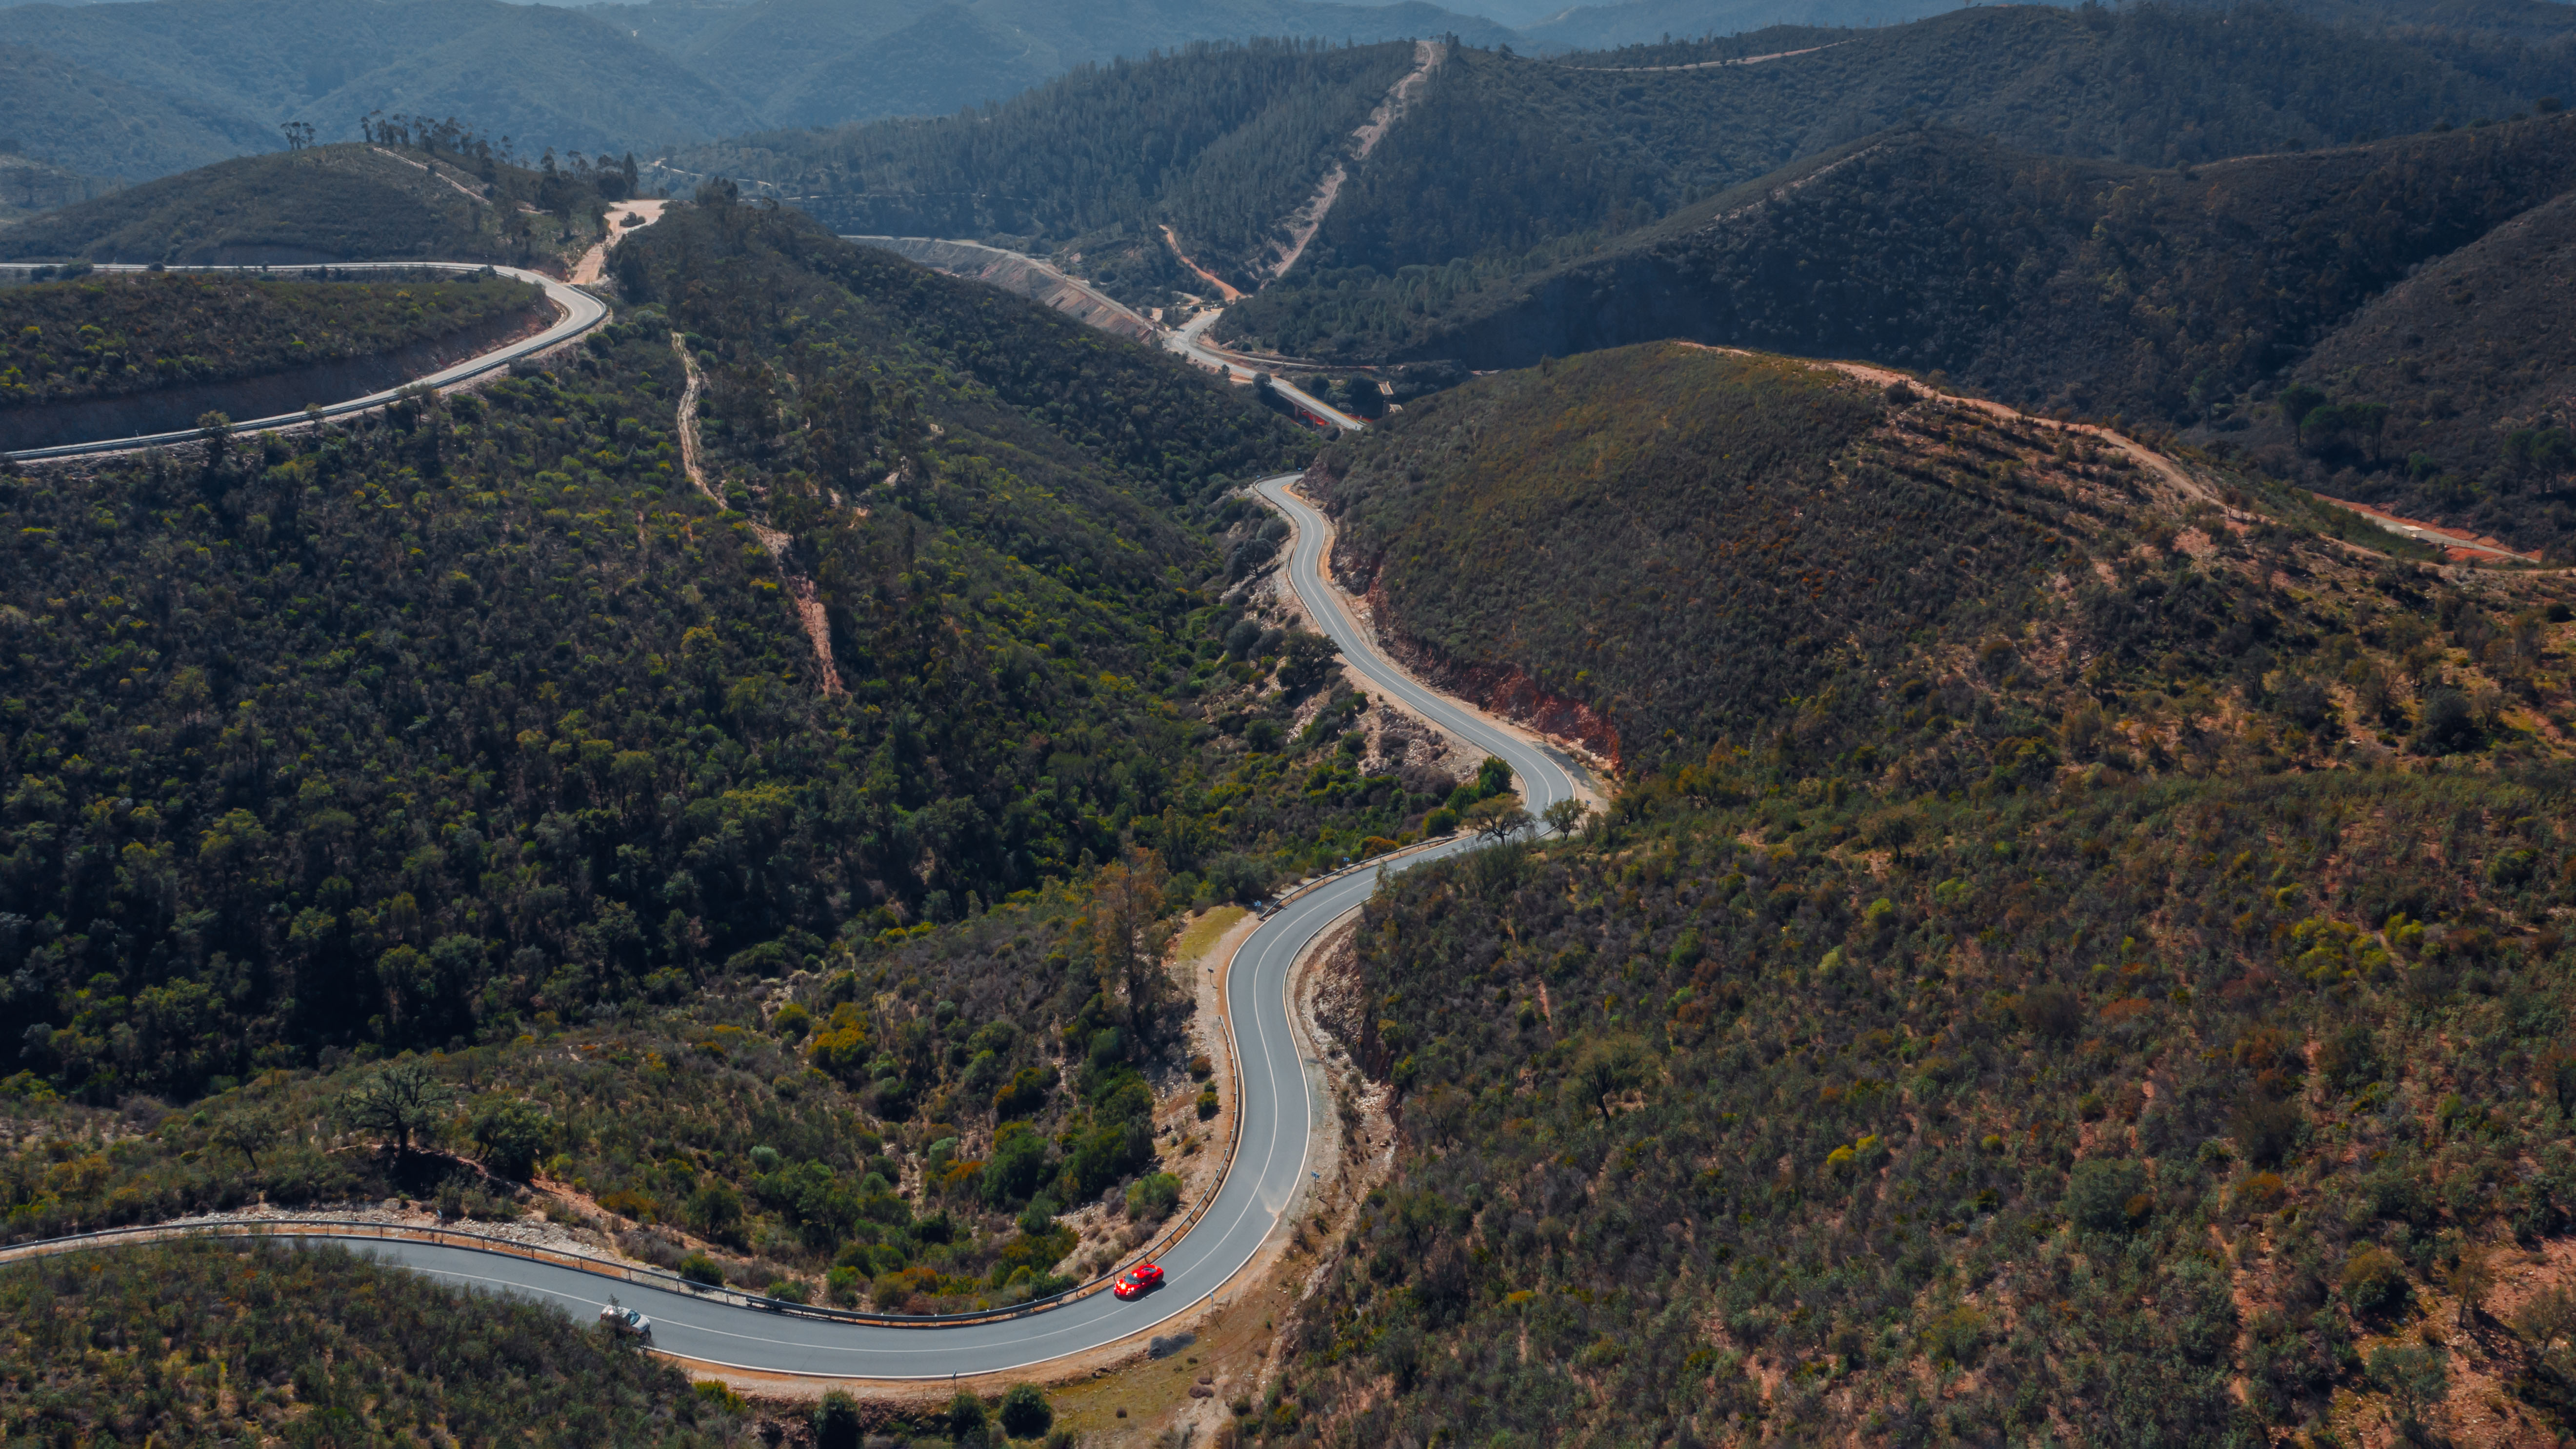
626 1322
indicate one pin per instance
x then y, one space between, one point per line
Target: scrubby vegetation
206 1344
898 1133
107 335
418 730
1883 1113
2446 396
2046 1020
460 805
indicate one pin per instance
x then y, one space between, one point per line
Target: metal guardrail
571 325
659 1278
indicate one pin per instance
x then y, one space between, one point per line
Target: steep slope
1768 519
825 634
2474 356
353 202
1223 142
2018 984
2174 295
1509 167
953 531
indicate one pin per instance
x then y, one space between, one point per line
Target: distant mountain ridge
149 87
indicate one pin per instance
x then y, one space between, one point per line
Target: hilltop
148 88
2165 296
238 69
1511 170
349 202
2016 983
1768 517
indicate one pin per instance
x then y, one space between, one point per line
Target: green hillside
449 740
1007 526
1512 167
2018 982
547 75
349 202
1221 141
111 335
1770 519
2472 357
2178 296
93 124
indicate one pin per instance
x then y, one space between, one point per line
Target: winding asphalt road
580 313
1279 1112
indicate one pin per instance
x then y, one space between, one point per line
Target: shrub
512 1134
1152 1197
2260 1193
2050 1012
1956 1337
1443 821
836 1422
2107 1195
2265 1130
700 1269
1209 1105
1025 1413
2374 1282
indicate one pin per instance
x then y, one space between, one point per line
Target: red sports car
1138 1281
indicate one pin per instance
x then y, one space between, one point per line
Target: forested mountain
805 63
1221 143
839 813
77 119
548 76
119 335
433 194
142 89
516 722
2473 359
1508 167
2172 295
2017 985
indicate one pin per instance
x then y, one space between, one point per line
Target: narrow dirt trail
622 218
801 594
2458 547
1699 64
1225 290
1309 219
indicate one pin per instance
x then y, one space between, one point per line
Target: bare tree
248 1133
397 1102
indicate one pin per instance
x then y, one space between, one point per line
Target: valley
1392 735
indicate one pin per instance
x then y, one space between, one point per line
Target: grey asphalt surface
1280 1109
1188 341
1545 774
581 312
